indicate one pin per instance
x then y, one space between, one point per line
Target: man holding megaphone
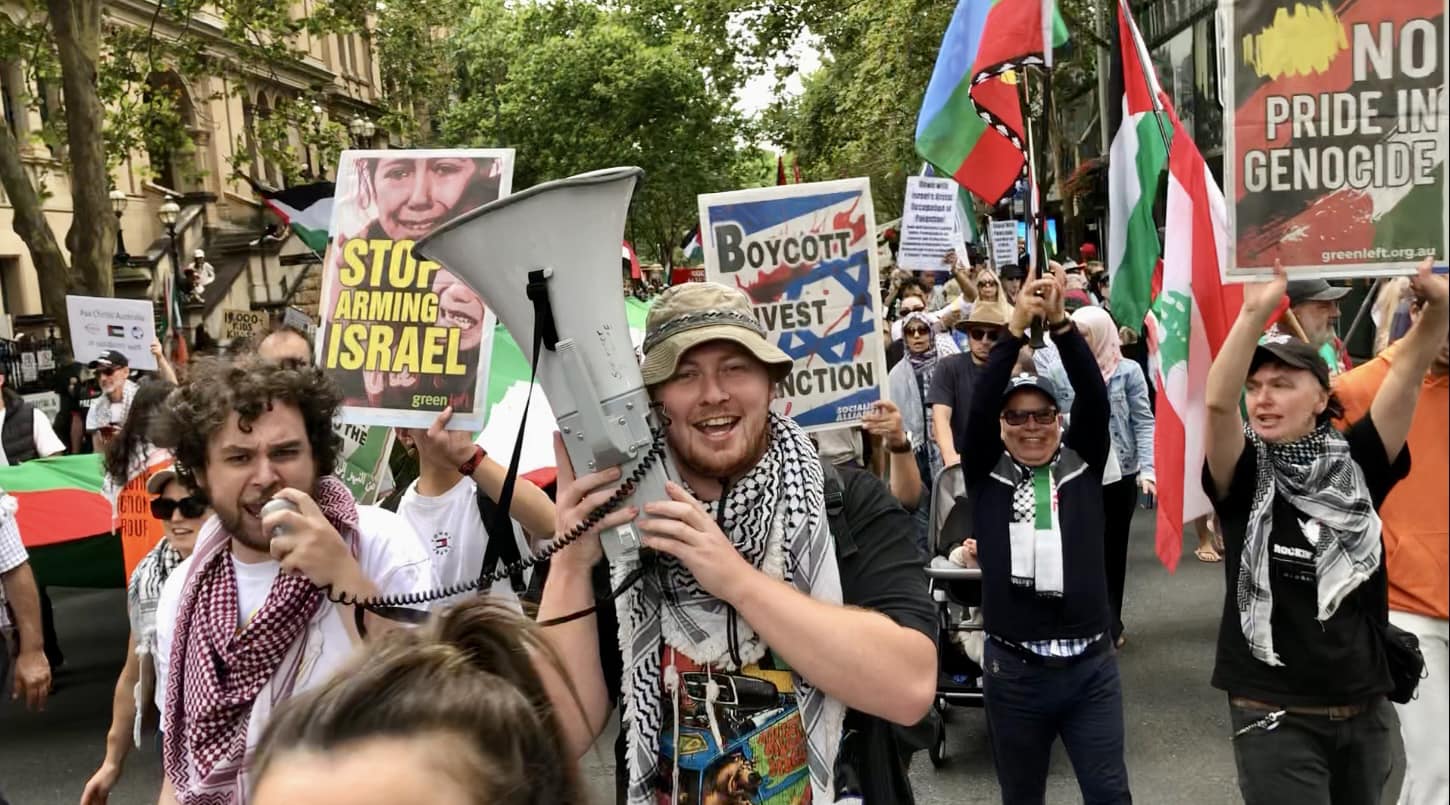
758 635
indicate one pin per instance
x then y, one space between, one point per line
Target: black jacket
1016 613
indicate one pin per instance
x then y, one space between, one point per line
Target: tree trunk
30 224
92 236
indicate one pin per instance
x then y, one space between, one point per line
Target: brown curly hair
250 386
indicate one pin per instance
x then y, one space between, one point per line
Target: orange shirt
1416 514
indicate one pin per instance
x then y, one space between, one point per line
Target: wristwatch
908 445
471 464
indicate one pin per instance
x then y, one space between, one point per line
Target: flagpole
1140 47
1038 254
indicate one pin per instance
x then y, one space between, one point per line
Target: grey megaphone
546 261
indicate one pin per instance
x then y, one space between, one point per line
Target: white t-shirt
390 555
46 442
452 532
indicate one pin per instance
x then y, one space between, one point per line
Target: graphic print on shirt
1294 561
753 750
442 542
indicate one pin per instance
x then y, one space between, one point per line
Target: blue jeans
1029 706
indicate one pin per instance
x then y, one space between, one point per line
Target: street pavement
1177 726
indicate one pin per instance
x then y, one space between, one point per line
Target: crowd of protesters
269 686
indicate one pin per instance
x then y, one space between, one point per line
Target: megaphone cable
401 604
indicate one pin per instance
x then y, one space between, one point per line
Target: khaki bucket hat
693 313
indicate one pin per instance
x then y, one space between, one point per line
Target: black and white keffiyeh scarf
143 593
776 517
1317 476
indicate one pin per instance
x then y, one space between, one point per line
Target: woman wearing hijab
1130 462
906 385
1302 647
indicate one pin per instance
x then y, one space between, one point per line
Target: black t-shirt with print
1339 662
881 570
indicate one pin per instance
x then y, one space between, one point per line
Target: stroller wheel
938 750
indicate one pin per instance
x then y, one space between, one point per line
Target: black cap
109 359
1012 271
1291 352
1027 381
1313 291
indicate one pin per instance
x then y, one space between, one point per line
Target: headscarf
1101 332
920 361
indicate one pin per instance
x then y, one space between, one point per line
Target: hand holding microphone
306 543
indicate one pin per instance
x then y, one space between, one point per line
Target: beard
707 461
243 528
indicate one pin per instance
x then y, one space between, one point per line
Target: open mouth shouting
416 228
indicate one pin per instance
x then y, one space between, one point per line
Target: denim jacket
1131 422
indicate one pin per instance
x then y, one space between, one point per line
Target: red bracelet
471 464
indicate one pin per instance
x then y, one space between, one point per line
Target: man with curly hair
252 618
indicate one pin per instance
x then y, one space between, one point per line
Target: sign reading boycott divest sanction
805 255
400 335
1335 129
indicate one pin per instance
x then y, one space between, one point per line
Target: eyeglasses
1044 416
191 507
916 331
984 333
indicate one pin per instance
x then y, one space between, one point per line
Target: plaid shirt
12 550
1063 647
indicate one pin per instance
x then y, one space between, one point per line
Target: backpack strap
835 490
501 549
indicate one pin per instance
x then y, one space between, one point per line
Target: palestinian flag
65 521
975 81
306 208
1191 317
1136 163
691 245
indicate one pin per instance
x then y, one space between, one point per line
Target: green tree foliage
576 87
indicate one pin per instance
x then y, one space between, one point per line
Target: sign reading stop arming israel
1335 132
805 255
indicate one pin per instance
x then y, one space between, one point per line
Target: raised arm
1224 439
1087 434
1394 403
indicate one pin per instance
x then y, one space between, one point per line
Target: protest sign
239 324
805 255
364 466
301 322
99 324
1003 235
403 337
1334 127
138 529
928 224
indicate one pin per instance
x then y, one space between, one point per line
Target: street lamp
362 130
168 213
118 206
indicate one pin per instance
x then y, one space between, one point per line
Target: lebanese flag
628 258
1190 319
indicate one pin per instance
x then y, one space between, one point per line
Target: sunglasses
107 372
986 285
916 331
1015 417
984 333
191 507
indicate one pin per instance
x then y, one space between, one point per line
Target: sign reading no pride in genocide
99 324
928 224
1336 135
805 255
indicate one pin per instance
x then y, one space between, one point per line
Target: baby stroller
954 589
